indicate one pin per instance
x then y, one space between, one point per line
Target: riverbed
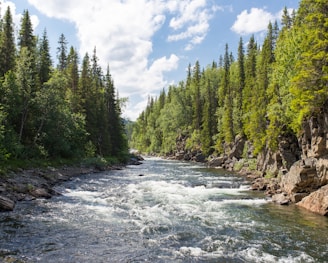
161 211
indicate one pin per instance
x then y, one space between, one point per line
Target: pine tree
26 37
240 87
197 104
73 80
44 59
250 82
227 118
62 52
7 44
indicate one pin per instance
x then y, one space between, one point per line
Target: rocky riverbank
296 173
39 183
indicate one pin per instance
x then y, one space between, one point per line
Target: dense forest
54 112
263 92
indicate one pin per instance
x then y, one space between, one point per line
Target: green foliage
55 114
266 93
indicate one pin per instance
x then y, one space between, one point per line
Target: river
161 211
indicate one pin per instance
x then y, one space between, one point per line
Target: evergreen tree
286 20
240 87
44 59
73 80
62 52
227 92
26 37
250 82
309 85
197 103
7 44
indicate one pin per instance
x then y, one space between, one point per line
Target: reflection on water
176 212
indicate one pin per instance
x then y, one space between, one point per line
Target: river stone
317 201
216 162
281 199
40 192
6 204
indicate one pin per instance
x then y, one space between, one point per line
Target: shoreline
34 183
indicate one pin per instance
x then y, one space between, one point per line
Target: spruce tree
26 37
7 44
62 53
44 59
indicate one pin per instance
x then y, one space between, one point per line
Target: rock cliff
297 172
307 179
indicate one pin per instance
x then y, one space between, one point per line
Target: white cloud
255 21
122 31
16 17
192 21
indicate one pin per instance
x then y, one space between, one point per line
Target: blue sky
148 44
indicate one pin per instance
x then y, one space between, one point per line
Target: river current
161 211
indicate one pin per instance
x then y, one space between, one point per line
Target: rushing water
175 212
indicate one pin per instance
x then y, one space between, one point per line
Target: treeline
263 93
54 112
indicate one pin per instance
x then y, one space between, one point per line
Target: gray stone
281 199
216 162
6 204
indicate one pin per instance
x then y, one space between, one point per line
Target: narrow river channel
174 212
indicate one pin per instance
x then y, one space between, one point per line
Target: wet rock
199 157
134 161
273 187
281 199
40 193
217 161
260 184
317 201
6 204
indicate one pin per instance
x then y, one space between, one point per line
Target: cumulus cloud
255 21
192 21
122 32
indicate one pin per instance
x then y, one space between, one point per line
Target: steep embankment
297 172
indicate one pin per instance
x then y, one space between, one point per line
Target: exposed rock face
237 148
280 161
314 140
301 178
309 174
317 201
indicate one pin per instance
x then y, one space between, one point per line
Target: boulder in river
6 204
317 201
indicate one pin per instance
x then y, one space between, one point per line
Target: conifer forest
65 111
263 92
